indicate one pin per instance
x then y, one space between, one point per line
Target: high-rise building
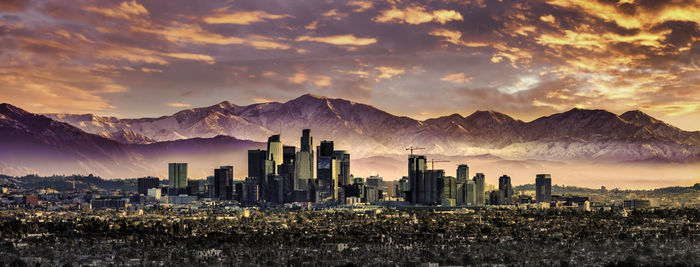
256 163
402 187
479 188
375 181
325 149
147 183
462 173
260 168
327 171
505 190
275 151
303 170
416 178
307 142
177 179
343 158
493 197
249 191
193 187
469 192
287 171
210 190
449 188
431 187
543 188
304 167
223 183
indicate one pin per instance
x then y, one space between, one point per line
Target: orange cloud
334 14
189 56
361 5
346 39
241 17
322 81
548 18
640 19
298 78
193 33
386 72
456 78
417 15
125 10
50 89
178 105
455 37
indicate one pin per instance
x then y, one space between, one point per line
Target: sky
420 59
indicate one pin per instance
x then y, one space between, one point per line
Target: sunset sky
415 58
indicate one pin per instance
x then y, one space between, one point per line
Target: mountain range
219 134
577 134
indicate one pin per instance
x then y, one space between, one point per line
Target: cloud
548 18
189 56
312 26
456 78
241 17
417 15
298 78
322 81
193 33
178 105
387 72
47 89
455 37
125 10
334 14
346 39
525 57
362 6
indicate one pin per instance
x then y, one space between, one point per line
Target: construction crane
414 148
432 163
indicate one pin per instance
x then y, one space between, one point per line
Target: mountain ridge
368 130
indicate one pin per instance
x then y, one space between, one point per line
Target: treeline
65 182
562 189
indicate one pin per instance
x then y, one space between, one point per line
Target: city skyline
528 59
350 132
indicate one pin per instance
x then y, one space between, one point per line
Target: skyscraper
462 173
327 171
479 188
505 191
470 193
147 183
416 177
343 158
256 163
543 188
449 188
275 151
325 149
306 140
223 183
304 163
287 171
259 168
303 170
177 179
430 191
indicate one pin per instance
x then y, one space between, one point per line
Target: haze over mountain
577 145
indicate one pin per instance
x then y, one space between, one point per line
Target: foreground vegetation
538 237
